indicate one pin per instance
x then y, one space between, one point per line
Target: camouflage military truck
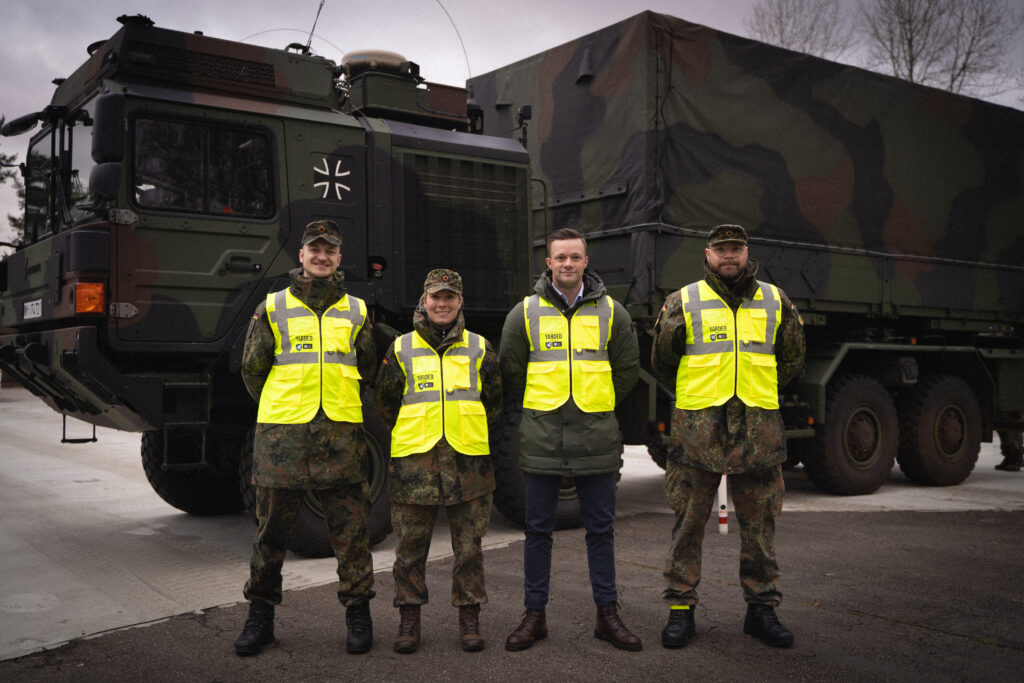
892 214
167 192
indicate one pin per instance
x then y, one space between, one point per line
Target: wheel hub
950 429
862 438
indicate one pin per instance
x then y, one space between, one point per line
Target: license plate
33 309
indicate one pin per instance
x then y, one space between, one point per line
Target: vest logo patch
303 347
420 386
552 340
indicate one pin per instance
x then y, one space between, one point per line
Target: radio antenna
469 74
310 41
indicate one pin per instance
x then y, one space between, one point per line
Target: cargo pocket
595 378
337 335
473 422
752 323
457 373
702 375
763 379
588 333
542 384
411 427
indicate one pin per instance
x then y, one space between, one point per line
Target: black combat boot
360 629
258 629
762 623
679 630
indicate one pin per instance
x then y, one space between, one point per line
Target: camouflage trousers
414 524
757 499
346 510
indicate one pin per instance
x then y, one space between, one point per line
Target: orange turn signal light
89 297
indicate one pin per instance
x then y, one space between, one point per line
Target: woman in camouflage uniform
439 452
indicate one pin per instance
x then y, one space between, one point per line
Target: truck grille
466 215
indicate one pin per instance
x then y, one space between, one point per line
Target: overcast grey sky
45 39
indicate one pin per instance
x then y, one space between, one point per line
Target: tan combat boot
408 638
469 628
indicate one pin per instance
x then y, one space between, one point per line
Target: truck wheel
508 493
798 451
203 492
309 536
658 453
856 447
940 434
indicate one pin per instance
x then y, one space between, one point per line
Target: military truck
166 193
892 214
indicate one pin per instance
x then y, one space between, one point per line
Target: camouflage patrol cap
723 234
442 278
324 229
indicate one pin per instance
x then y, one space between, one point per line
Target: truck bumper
66 370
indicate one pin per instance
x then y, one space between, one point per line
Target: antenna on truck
316 19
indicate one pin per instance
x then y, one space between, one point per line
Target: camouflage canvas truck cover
167 192
892 214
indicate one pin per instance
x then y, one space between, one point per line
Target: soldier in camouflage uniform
433 463
736 434
313 451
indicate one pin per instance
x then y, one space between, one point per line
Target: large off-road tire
209 491
508 494
940 431
659 453
798 451
309 536
856 447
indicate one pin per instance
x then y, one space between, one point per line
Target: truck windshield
59 163
199 168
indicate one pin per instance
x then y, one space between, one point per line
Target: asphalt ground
909 596
909 583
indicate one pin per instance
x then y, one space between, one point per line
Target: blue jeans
597 507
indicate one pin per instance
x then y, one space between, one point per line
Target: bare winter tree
816 27
957 45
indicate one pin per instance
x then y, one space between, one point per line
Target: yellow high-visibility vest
569 357
314 361
441 397
729 354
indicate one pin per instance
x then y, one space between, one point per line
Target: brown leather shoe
610 627
533 627
469 628
408 638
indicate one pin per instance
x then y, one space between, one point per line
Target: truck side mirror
108 129
22 124
105 181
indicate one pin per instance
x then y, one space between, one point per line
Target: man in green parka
570 352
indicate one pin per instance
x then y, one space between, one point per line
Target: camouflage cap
324 229
722 234
442 278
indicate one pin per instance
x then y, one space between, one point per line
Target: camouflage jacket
320 453
732 437
568 441
441 476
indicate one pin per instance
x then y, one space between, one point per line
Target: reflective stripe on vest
314 361
569 357
714 369
441 397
